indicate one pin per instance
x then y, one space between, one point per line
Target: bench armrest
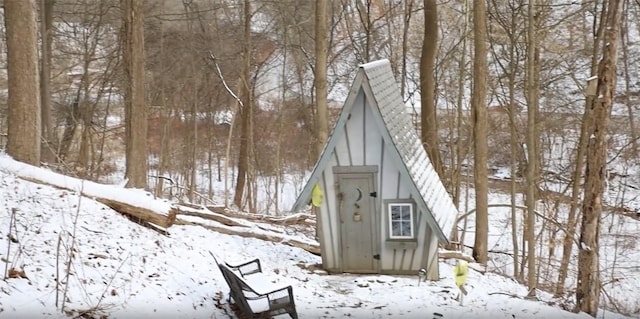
247 268
278 296
286 290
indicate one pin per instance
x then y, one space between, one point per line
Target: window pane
401 220
395 212
396 231
406 228
406 213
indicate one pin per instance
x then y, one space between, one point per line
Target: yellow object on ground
460 272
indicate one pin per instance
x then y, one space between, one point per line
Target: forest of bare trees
180 94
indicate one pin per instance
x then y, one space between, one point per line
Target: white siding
329 233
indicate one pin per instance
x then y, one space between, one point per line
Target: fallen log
125 201
295 219
264 234
141 213
201 212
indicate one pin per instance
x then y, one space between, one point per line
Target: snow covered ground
122 270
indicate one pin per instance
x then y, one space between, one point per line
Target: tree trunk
192 137
24 129
46 38
532 108
408 10
245 111
282 109
134 94
86 113
588 288
628 91
479 106
320 79
460 150
428 115
514 154
166 120
578 172
70 126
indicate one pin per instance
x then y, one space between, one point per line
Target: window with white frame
401 219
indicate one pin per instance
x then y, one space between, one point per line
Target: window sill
407 244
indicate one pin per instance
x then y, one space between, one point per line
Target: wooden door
356 198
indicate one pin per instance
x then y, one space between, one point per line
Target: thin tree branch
224 82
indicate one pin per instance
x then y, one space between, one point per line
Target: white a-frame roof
381 91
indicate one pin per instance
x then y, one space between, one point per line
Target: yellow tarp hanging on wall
317 195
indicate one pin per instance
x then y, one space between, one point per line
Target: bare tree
408 13
510 67
23 77
479 107
589 285
532 150
320 79
460 148
134 94
625 40
246 111
46 38
428 113
578 170
191 140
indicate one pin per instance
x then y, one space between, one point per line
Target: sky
122 270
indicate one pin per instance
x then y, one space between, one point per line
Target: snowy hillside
119 269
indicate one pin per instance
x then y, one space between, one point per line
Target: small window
401 221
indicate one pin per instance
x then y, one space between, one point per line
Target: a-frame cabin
384 208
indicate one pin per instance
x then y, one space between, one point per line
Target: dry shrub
17 273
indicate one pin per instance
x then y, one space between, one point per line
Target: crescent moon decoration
359 194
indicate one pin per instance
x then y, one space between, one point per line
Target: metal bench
254 293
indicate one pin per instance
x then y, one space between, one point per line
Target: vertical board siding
389 188
366 112
324 224
373 141
432 257
331 232
354 129
347 147
418 253
335 157
326 231
403 190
